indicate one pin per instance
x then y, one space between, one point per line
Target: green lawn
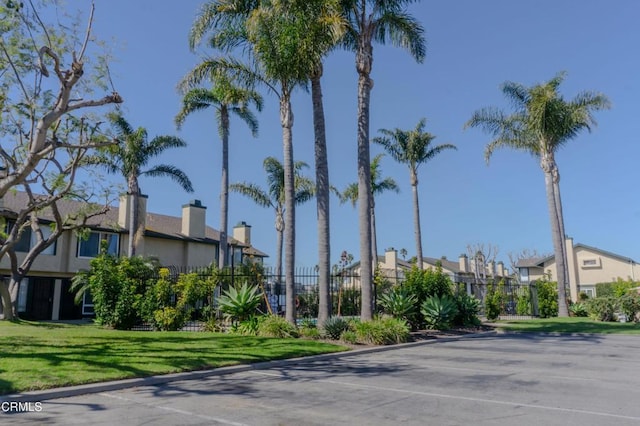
569 325
44 355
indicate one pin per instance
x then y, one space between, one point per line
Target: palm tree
328 36
412 148
369 21
278 38
226 98
378 186
543 122
274 196
133 152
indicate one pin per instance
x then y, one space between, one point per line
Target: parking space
523 379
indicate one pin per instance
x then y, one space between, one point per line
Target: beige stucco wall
180 253
607 269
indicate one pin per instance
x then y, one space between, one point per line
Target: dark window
90 247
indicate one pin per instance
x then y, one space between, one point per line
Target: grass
569 325
37 356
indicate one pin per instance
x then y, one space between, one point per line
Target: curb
71 391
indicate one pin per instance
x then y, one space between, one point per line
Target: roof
540 261
431 261
531 262
446 264
156 225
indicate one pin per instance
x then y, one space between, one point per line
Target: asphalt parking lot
503 379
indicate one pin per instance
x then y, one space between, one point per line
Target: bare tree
44 137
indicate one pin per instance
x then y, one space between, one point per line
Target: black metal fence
517 301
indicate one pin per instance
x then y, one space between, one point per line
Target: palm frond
196 99
172 172
403 31
254 192
159 144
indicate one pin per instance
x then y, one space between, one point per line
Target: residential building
587 266
184 241
461 271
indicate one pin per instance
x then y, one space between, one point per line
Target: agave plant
240 304
439 312
398 303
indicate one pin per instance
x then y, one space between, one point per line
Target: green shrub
240 304
398 303
334 326
523 301
493 301
602 308
212 325
583 297
382 331
547 298
423 284
275 326
117 286
170 319
439 312
349 337
468 309
248 327
310 333
617 288
630 306
579 309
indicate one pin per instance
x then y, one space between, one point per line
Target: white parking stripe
175 410
462 398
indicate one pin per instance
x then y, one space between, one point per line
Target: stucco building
180 241
587 267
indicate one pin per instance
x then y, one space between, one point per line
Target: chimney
491 266
193 219
463 263
242 233
124 212
391 258
501 272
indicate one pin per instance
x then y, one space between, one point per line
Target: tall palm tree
543 122
328 36
277 38
273 197
130 157
412 148
369 21
378 186
226 98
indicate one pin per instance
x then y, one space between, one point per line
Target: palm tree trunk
134 209
548 165
363 64
416 218
322 199
224 187
374 235
280 232
286 120
561 231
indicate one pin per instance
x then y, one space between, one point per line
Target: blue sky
473 46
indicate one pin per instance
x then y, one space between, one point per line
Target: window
90 247
237 255
591 262
524 275
28 239
23 289
87 304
